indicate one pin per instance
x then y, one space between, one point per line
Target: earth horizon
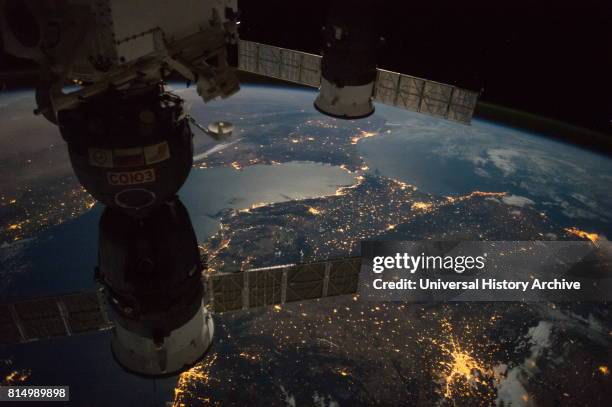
292 185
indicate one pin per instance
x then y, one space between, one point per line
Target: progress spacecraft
102 69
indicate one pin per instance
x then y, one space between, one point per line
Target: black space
549 58
553 59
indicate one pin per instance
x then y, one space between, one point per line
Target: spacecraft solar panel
305 282
264 287
463 103
391 88
84 312
9 331
51 317
344 276
423 96
41 318
74 313
278 285
226 291
281 63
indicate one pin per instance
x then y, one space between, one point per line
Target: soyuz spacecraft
102 69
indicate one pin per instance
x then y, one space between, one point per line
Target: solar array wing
463 103
423 96
66 315
391 88
51 317
281 284
280 63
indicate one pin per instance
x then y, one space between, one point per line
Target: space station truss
391 88
70 314
280 63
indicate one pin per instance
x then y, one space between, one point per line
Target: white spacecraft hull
182 348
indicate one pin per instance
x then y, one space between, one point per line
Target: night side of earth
293 186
